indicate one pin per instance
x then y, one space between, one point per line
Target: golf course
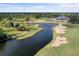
39 34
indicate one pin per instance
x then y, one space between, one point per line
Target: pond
28 46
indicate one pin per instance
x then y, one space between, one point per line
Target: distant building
61 18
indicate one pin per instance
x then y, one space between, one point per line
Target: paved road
30 46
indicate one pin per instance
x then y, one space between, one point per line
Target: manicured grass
69 49
26 34
20 34
16 33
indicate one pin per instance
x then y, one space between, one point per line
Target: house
61 18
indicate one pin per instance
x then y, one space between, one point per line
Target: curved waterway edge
29 46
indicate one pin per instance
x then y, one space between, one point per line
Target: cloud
69 7
44 7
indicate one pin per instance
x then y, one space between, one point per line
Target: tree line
74 17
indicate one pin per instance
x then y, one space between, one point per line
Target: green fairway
69 49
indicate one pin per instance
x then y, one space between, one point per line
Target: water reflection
29 46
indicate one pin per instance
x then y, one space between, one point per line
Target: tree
3 36
74 18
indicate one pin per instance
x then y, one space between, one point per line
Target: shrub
74 19
21 28
3 36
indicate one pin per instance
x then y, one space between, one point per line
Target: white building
61 18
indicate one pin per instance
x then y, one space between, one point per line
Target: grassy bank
26 34
20 34
21 30
71 48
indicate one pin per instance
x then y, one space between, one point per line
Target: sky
39 7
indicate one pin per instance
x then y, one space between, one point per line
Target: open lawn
69 49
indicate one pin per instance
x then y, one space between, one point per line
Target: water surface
31 45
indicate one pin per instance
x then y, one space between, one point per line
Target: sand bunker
58 41
60 29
